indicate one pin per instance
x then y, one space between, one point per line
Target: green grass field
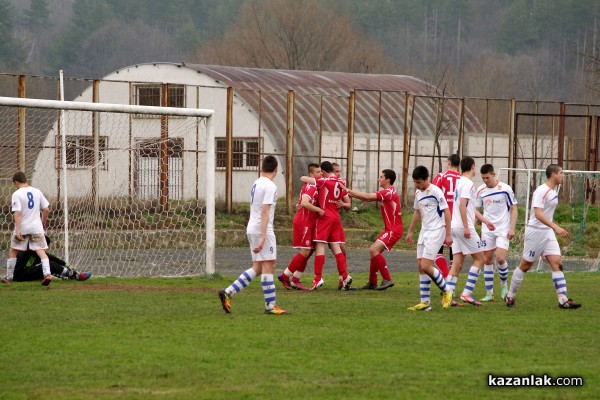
169 339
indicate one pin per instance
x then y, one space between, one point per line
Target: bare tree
294 34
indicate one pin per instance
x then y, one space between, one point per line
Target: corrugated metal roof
267 89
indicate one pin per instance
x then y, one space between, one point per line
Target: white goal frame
134 109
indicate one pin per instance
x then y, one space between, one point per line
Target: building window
150 95
80 151
246 153
151 147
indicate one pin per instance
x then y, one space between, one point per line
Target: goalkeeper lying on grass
29 267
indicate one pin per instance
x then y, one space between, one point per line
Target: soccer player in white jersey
31 210
500 207
431 208
540 239
261 236
465 240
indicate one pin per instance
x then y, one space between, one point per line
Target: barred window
246 153
150 95
80 151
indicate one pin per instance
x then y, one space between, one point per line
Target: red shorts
302 236
329 231
389 238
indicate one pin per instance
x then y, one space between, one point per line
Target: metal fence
364 131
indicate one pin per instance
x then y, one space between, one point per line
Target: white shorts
269 250
539 242
31 241
460 244
429 243
491 240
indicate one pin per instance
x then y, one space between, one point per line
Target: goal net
578 212
131 188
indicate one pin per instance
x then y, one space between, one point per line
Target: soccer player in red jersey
447 182
328 228
303 229
391 212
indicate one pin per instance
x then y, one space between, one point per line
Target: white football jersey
546 198
264 191
465 189
496 202
29 201
431 203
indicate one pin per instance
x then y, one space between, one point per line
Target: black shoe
369 286
386 284
569 304
510 301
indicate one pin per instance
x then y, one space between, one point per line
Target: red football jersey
330 192
304 216
447 182
389 206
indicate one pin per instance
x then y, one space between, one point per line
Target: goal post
578 212
140 182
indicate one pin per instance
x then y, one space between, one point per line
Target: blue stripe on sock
267 283
242 282
269 299
561 286
235 287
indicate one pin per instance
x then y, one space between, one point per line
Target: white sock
46 266
515 282
10 268
471 281
560 284
268 287
241 282
503 273
425 288
488 276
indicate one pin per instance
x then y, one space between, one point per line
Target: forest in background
526 49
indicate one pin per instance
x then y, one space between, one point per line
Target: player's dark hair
487 169
552 168
327 167
466 164
312 167
19 177
269 164
389 174
420 172
454 160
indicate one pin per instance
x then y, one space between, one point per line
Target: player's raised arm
308 179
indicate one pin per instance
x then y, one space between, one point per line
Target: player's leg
488 275
268 287
16 245
533 245
318 265
37 243
472 246
385 241
558 278
441 263
501 256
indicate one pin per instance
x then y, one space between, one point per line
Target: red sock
296 262
302 268
319 262
340 260
442 265
383 269
373 268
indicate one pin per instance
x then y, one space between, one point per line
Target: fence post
350 144
164 151
289 154
512 141
21 120
96 139
561 133
229 152
405 152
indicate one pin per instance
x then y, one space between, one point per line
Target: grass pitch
169 339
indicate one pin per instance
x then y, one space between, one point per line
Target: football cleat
488 298
420 307
6 280
470 299
225 301
276 311
569 304
84 276
285 281
317 284
369 286
386 284
447 300
47 279
298 285
510 301
346 283
504 292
